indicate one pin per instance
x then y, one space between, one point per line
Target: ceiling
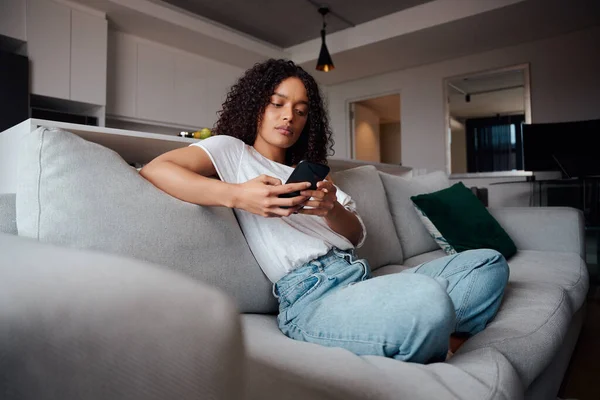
494 93
387 108
389 35
503 27
285 23
488 81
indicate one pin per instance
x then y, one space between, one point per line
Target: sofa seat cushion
283 368
79 194
565 270
529 328
411 262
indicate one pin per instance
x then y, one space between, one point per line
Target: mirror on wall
485 114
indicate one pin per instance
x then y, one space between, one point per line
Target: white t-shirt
278 244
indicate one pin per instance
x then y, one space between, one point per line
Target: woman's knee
436 312
497 267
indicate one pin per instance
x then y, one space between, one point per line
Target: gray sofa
115 246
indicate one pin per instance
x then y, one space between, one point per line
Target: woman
272 118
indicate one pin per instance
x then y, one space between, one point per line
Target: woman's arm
183 173
339 219
345 223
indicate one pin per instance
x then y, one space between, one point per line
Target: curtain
494 144
494 148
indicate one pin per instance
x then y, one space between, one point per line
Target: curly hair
246 101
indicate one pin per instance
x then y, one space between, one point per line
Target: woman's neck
269 151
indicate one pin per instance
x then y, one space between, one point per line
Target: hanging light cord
338 16
323 29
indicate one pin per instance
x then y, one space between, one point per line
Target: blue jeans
333 301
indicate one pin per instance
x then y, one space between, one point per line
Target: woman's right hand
260 196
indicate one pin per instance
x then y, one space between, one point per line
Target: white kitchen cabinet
223 77
121 75
67 48
155 83
201 86
12 19
88 58
191 97
152 84
49 48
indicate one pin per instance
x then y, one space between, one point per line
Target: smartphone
306 171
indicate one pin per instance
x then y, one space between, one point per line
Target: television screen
569 147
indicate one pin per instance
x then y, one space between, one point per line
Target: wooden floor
582 380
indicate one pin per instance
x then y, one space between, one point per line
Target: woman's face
285 115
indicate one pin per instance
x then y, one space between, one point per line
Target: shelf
133 146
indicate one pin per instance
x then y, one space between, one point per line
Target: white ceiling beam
167 13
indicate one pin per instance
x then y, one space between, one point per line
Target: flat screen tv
569 147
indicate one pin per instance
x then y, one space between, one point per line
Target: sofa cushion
363 184
79 194
422 258
529 328
561 269
413 236
462 220
409 263
279 367
8 213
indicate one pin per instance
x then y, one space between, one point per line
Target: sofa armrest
544 228
83 325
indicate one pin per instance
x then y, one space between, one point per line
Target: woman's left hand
322 200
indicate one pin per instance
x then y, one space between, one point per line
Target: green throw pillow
458 221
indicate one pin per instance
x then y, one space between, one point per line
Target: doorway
375 133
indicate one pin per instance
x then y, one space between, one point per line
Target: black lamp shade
325 63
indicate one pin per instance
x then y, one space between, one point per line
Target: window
495 144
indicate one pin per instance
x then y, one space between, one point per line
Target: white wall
565 85
366 134
391 143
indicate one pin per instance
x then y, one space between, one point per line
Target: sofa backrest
338 165
363 184
79 194
8 213
413 236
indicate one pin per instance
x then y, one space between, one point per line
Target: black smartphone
306 171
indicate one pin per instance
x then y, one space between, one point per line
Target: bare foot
456 342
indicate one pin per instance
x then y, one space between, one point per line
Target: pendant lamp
325 63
